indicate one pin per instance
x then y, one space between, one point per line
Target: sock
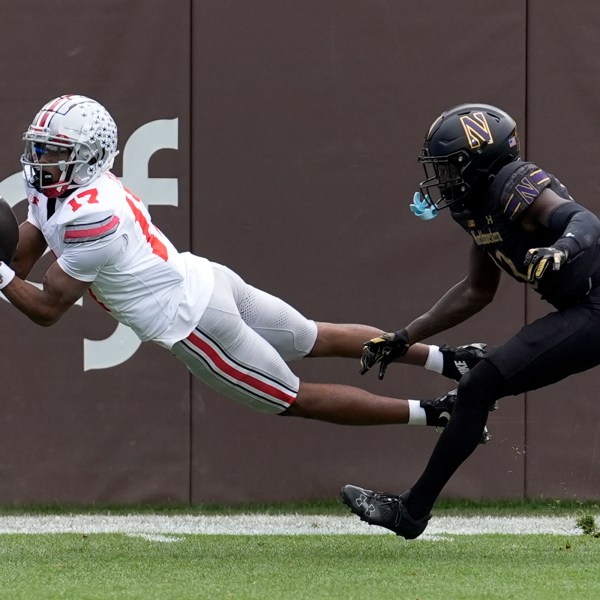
416 414
435 360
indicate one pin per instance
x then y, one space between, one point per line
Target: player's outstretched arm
460 302
46 306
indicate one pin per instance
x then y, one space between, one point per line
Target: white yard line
159 527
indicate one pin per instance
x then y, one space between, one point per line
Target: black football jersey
496 228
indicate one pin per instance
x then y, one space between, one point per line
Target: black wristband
402 334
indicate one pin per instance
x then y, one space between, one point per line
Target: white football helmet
71 142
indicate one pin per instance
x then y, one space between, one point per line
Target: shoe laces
385 498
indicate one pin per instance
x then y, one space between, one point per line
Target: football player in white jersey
234 337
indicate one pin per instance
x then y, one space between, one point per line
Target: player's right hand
538 259
384 349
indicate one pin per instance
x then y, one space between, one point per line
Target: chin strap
420 207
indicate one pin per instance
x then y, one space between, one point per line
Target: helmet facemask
443 184
49 165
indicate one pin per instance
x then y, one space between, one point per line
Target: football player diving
232 336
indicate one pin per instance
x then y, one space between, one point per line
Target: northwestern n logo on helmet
477 130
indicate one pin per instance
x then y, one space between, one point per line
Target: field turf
182 566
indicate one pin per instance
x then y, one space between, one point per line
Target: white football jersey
103 233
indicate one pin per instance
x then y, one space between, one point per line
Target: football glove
538 259
384 349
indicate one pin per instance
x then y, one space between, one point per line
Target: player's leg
229 356
542 353
347 340
233 358
295 337
407 514
477 394
349 405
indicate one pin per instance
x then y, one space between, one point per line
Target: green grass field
83 566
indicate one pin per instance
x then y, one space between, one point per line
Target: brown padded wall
563 129
309 125
298 127
119 434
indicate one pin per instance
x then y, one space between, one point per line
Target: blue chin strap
421 208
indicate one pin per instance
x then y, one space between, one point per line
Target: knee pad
482 385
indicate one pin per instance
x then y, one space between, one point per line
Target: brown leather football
9 232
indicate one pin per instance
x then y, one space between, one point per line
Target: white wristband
435 359
6 275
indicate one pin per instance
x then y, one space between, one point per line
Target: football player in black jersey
522 221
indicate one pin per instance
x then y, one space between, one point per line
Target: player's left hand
384 349
538 259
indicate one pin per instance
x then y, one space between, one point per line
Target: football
9 232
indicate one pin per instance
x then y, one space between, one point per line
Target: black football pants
541 353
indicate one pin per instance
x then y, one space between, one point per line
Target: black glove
538 259
384 349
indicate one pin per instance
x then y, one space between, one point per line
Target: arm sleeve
579 228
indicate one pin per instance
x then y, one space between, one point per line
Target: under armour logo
462 366
366 507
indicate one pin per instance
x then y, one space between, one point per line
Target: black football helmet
464 149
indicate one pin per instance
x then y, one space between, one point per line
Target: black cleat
384 510
439 411
459 360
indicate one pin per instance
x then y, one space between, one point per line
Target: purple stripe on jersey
540 177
